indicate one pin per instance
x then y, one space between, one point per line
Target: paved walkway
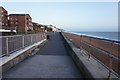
52 61
54 46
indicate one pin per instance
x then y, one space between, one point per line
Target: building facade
3 18
22 22
38 27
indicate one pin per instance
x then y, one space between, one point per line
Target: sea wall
104 51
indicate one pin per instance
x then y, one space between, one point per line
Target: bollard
48 37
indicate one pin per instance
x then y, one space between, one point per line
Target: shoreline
98 37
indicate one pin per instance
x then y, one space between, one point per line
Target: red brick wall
4 17
22 21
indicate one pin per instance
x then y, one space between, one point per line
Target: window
6 12
29 19
0 23
8 18
26 18
16 23
16 19
0 19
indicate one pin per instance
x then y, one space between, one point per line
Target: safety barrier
11 44
105 51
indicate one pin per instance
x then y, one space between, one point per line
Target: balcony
7 29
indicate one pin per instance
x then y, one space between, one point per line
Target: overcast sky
70 16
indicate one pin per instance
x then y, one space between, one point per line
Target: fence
105 51
13 43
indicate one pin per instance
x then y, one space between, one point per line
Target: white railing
10 44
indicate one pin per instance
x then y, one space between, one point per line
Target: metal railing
105 51
11 44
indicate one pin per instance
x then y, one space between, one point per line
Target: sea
114 36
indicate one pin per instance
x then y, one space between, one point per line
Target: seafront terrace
64 55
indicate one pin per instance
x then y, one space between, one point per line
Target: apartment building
3 18
22 22
38 27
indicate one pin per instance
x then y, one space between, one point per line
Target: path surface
52 61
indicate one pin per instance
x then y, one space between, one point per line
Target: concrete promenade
51 61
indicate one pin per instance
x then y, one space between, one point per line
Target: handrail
11 44
105 51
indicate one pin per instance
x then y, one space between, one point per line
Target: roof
37 24
19 15
3 8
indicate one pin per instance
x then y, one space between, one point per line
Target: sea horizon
113 35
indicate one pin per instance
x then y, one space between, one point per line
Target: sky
70 16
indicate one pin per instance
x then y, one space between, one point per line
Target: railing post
110 64
110 74
81 43
7 47
42 36
80 46
31 39
22 41
89 55
37 37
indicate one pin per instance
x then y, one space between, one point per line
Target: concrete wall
85 73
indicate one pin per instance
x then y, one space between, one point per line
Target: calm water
104 35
